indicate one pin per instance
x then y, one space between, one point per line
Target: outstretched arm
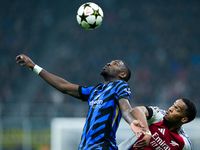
55 81
126 109
141 113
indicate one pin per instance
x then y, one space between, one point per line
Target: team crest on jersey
128 90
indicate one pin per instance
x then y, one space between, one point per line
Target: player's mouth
166 113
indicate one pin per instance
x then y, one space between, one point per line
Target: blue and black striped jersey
104 114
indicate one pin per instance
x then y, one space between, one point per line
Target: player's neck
172 126
108 80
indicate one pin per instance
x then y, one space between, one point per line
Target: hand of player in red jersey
140 131
24 60
143 142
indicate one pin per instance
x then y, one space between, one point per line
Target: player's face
176 112
112 69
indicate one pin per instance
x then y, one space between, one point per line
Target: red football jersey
162 137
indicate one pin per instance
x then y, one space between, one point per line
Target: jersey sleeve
155 114
85 92
187 142
187 145
123 91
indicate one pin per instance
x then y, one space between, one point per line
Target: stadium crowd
159 40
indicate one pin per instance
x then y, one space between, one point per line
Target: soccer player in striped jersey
107 102
166 126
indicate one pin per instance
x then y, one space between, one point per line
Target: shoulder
121 89
119 85
120 82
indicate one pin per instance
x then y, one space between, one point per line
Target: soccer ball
89 16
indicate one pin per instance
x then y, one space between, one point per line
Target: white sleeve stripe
188 144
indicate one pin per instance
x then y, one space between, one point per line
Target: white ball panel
94 6
100 11
80 10
91 19
99 20
78 18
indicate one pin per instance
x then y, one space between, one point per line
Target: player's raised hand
24 60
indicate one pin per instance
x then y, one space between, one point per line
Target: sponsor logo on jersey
96 103
162 130
158 143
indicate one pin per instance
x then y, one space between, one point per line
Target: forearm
128 117
135 125
140 113
57 82
126 111
53 80
60 84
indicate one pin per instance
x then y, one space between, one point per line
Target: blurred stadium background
159 40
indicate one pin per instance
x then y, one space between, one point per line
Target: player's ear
184 120
122 75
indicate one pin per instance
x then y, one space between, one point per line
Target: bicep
136 111
124 104
144 109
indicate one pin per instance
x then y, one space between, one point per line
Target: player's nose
170 109
108 64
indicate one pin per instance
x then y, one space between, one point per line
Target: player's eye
176 108
115 63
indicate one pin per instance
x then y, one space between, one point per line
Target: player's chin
166 117
103 72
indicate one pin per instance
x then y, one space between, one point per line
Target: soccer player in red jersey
166 126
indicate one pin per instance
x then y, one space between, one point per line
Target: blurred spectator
158 39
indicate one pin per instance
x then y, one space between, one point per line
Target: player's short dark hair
128 72
191 110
